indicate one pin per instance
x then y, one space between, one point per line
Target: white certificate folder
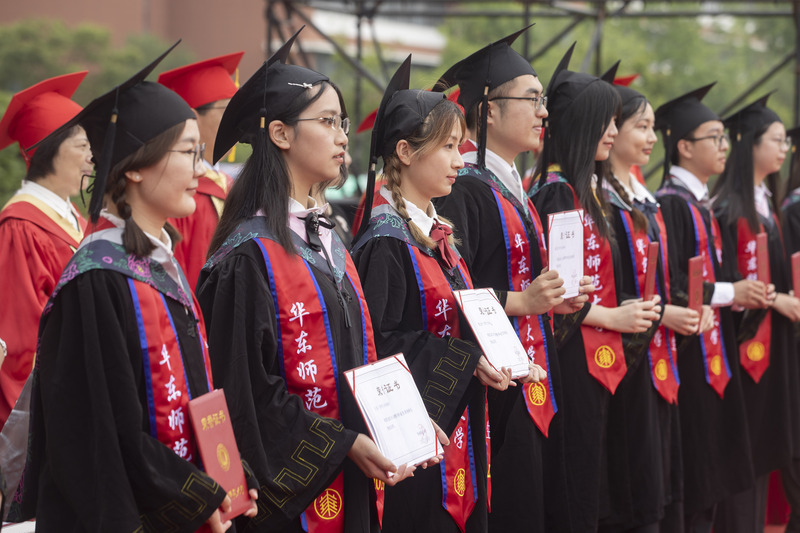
393 410
495 334
565 248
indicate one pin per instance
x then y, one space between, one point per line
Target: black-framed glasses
335 122
198 154
718 139
537 101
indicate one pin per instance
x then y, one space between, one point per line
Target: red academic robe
36 243
198 228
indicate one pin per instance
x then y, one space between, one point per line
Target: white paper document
393 410
565 248
493 330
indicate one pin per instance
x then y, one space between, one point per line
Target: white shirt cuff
723 294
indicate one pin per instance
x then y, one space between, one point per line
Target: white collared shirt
723 290
762 196
637 191
419 217
297 211
507 174
63 207
162 254
691 182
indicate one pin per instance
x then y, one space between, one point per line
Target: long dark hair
572 144
42 161
264 183
633 107
734 190
134 238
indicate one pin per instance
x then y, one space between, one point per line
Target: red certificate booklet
762 257
217 446
796 273
650 273
696 284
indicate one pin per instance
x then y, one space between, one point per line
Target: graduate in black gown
790 219
502 244
744 207
716 443
645 473
285 310
122 344
579 135
417 133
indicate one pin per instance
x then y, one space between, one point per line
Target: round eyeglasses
198 154
335 122
538 102
718 139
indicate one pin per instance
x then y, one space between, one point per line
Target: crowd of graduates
639 413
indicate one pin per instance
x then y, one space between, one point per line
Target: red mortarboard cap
36 112
204 82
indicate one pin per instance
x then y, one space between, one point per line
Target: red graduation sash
307 358
715 358
166 384
754 353
539 397
440 317
603 348
662 366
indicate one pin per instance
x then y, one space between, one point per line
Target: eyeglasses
537 101
335 122
785 143
198 154
718 139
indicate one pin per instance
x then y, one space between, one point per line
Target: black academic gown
92 464
790 220
528 475
768 403
643 429
585 404
442 369
277 436
716 443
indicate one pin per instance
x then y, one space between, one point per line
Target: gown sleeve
442 367
294 453
108 472
30 265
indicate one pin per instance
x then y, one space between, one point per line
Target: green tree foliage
34 50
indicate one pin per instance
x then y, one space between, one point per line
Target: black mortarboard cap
680 116
481 72
566 85
611 73
751 118
401 112
121 121
270 91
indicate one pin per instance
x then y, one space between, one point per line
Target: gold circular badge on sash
716 365
537 394
460 482
756 351
661 370
328 505
604 357
223 457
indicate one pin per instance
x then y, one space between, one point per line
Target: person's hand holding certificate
565 248
393 410
493 330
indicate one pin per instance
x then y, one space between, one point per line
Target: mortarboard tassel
232 153
667 153
104 165
482 127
